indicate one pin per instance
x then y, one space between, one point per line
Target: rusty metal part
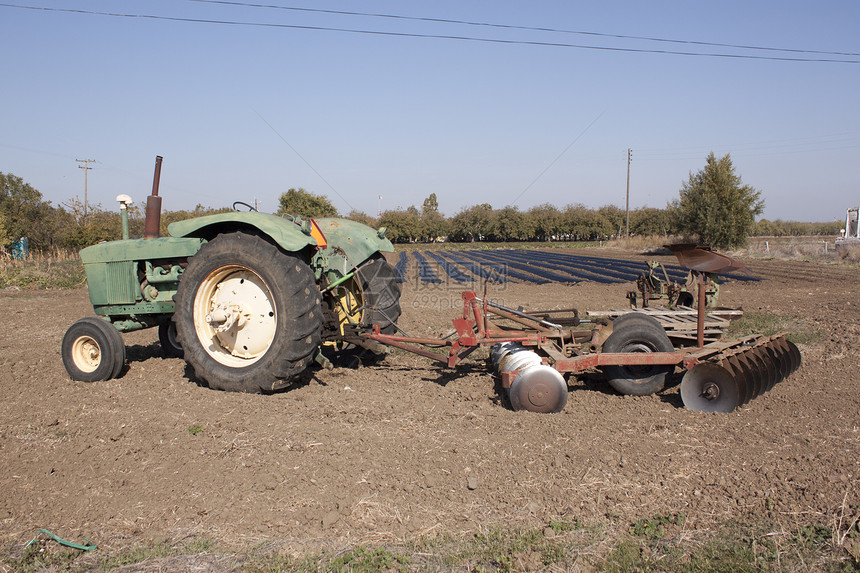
152 223
755 367
703 259
722 375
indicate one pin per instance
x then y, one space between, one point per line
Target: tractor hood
358 241
283 231
353 241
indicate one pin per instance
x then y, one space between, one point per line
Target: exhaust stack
152 223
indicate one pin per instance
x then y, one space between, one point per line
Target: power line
348 204
528 28
554 161
430 36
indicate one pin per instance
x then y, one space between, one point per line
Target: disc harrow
532 352
733 378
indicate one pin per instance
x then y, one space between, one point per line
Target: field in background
61 268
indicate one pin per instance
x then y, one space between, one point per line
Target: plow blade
739 375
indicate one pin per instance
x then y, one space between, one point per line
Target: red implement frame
561 347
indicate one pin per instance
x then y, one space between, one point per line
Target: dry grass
54 268
792 248
819 248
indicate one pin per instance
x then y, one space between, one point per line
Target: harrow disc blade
753 374
771 354
538 389
783 357
768 368
742 376
795 355
708 387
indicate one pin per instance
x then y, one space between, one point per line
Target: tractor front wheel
247 314
93 350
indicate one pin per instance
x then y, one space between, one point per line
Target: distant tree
511 225
362 217
779 228
715 206
583 224
402 226
79 229
301 202
430 204
614 219
434 226
136 216
21 206
546 221
649 221
473 224
5 235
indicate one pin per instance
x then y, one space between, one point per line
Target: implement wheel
247 314
93 350
637 336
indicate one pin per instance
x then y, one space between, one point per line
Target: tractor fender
357 241
287 234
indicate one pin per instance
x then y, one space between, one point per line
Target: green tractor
248 299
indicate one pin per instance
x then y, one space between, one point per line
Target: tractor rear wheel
371 296
637 336
93 350
380 293
248 314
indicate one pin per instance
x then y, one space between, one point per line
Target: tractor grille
112 283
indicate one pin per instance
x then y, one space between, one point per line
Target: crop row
529 266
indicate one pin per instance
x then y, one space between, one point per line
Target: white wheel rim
86 354
235 316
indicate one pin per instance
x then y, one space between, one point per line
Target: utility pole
86 167
627 208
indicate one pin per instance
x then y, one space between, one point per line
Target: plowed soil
405 448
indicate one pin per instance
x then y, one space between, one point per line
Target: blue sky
244 112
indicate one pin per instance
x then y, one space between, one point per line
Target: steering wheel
237 204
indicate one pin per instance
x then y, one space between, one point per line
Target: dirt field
404 449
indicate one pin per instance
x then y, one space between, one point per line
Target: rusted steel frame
456 351
408 344
481 309
720 350
700 315
750 342
532 322
461 356
508 378
520 320
586 361
479 315
443 358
